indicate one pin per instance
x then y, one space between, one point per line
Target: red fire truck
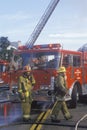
45 61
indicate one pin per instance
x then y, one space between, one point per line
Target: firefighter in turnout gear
60 92
25 84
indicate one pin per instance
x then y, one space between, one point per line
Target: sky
67 24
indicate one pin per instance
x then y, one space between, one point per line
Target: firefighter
60 92
25 85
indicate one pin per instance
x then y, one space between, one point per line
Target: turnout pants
26 108
60 106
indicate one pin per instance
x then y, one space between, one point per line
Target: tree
4 42
5 54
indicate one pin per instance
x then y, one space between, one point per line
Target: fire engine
45 61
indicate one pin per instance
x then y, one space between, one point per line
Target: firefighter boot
68 118
26 119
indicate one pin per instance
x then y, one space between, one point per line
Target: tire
75 95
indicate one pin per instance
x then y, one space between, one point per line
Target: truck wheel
75 97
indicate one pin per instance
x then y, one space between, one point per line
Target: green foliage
4 42
5 54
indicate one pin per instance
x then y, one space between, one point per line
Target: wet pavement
10 109
9 112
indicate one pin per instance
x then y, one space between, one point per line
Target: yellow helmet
61 69
27 68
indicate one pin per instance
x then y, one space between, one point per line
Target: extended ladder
33 37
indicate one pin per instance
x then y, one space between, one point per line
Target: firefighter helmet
27 68
61 69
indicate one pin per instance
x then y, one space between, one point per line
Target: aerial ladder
39 27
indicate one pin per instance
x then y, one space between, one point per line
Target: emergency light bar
47 46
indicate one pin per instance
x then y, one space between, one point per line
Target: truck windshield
44 60
40 60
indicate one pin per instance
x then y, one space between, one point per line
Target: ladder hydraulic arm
41 23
